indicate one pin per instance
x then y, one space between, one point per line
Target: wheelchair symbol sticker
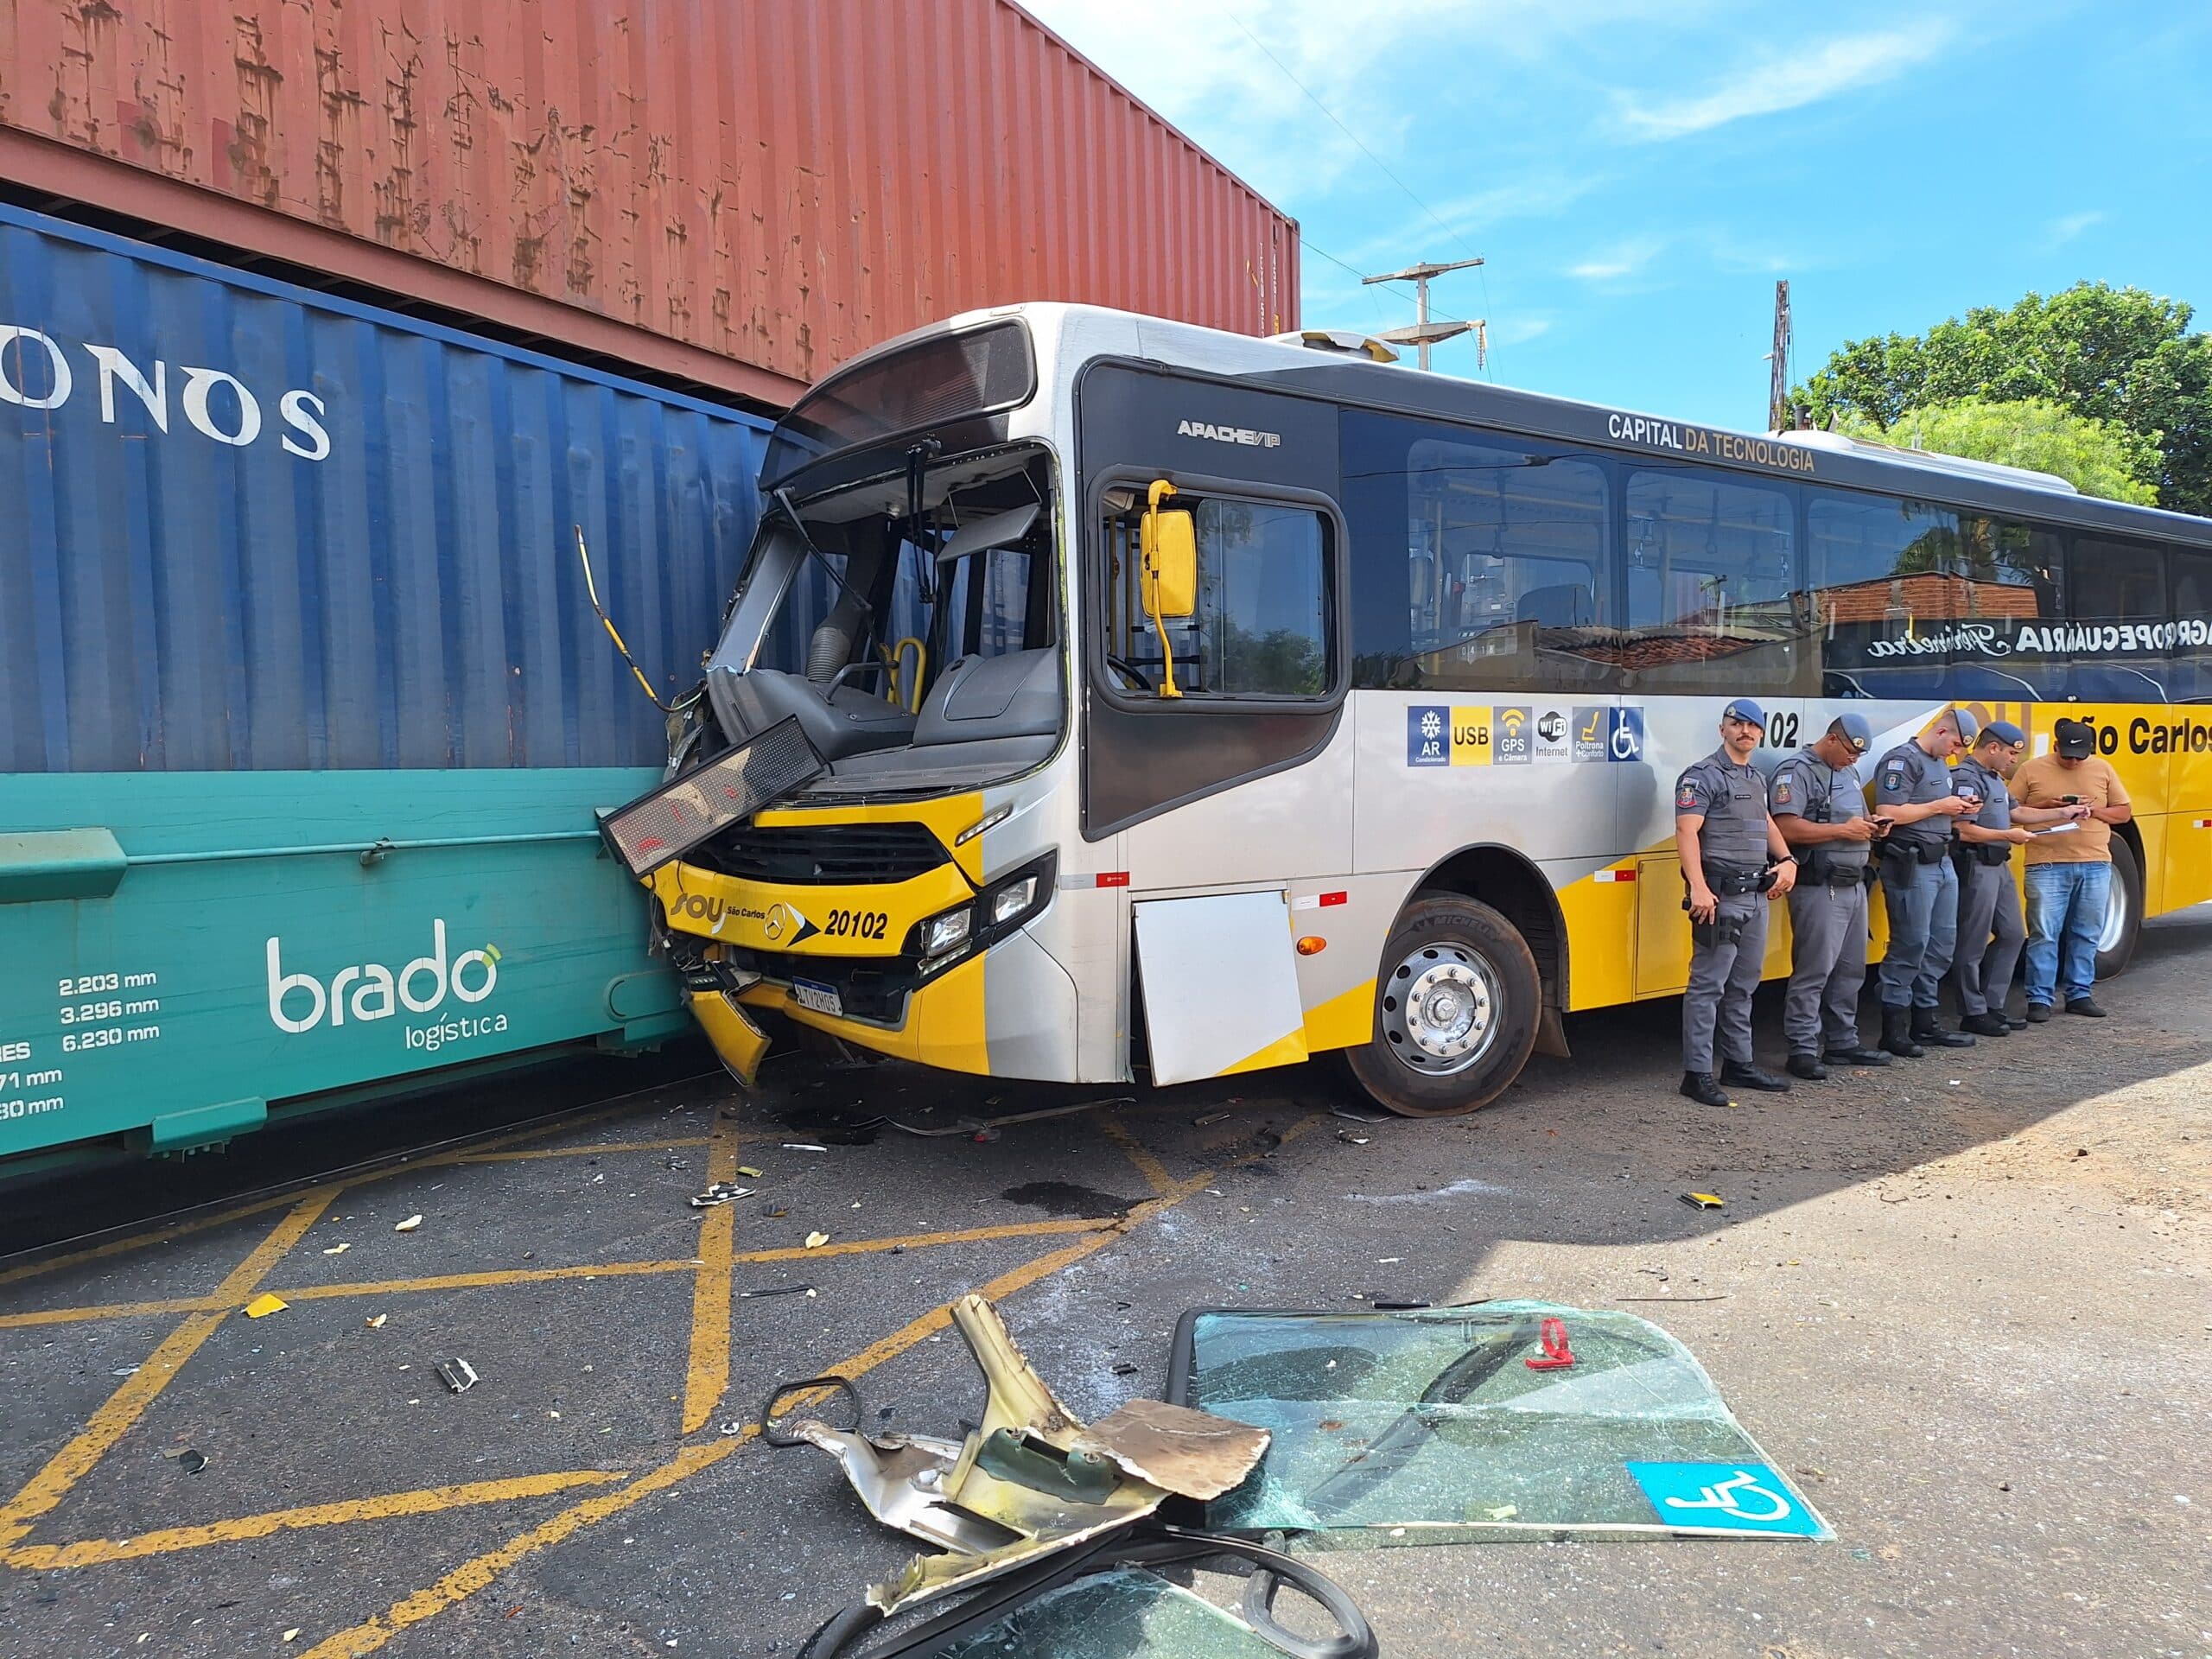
1731 1497
1625 738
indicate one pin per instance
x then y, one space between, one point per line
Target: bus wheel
1456 1010
2123 912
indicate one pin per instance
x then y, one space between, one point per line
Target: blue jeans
2066 911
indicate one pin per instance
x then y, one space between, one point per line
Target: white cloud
1623 259
1520 331
1774 84
2062 231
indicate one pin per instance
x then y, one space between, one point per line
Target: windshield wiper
782 499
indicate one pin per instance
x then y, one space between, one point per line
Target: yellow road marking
470 1576
1154 1173
532 1155
261 1206
923 1241
494 1277
708 1374
431 1501
128 1403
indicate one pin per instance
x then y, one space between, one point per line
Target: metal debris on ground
720 1192
748 1171
460 1376
1361 1112
1704 1200
1204 1118
1028 1481
776 1290
265 1303
409 1225
1351 1140
804 1146
987 1129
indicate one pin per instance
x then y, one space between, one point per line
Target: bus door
1215 743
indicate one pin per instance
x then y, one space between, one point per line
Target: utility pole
1779 417
1424 334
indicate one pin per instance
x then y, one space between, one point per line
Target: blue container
299 680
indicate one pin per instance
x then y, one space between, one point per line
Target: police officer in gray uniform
1990 932
1912 791
1727 843
1818 803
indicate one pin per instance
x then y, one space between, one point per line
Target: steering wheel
1138 675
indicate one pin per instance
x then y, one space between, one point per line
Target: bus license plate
822 999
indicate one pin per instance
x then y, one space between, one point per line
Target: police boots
1928 1030
1897 1034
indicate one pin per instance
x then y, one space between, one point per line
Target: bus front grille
846 855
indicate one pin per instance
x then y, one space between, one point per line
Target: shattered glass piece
1426 1427
1126 1613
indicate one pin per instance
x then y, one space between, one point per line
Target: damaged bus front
896 641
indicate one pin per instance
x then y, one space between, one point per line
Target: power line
1344 129
1381 165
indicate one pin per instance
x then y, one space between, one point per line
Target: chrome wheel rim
1439 1008
2115 924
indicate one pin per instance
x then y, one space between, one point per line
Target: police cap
1856 733
2004 731
1744 710
1967 725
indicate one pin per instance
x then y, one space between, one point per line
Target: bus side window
2112 584
1480 562
2191 575
1713 585
1885 593
1263 625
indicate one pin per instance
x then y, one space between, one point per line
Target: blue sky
1637 176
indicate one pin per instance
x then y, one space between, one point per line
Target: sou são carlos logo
370 991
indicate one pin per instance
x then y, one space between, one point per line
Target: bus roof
1342 378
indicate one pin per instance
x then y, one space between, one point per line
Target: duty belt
1732 881
1917 850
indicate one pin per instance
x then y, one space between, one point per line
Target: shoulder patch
1686 796
1782 791
1893 775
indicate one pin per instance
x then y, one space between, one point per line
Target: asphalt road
1964 1302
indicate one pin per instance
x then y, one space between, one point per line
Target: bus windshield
861 609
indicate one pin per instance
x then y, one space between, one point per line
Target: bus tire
1469 1025
2124 917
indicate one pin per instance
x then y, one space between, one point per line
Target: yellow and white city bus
1177 704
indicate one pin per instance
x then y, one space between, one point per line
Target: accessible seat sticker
1732 1496
1442 734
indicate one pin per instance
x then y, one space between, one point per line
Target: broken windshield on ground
1126 1613
1431 1425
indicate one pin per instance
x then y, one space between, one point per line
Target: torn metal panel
1030 1480
1190 1453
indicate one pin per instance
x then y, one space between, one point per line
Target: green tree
2121 356
2096 457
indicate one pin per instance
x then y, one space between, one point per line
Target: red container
742 192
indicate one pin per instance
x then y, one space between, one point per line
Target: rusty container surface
744 193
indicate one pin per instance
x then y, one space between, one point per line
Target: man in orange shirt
2072 798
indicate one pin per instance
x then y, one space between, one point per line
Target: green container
170 976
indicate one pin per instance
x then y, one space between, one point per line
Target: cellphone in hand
2070 800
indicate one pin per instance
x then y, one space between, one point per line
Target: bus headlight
1012 899
947 932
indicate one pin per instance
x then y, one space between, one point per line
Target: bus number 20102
857 924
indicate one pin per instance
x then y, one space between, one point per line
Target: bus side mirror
1170 545
1167 544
